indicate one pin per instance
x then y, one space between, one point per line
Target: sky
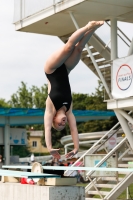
22 56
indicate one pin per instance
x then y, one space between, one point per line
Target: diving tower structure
61 18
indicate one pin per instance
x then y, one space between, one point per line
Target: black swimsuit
60 93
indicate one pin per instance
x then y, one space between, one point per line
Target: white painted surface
94 159
122 80
33 192
18 136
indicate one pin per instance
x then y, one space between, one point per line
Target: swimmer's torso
60 93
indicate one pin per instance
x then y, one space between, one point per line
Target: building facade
34 142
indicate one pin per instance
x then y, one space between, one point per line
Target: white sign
112 141
18 136
94 159
122 83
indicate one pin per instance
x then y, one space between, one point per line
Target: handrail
107 156
89 150
122 34
94 146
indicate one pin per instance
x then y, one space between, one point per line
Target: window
34 143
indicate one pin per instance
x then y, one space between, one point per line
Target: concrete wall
15 191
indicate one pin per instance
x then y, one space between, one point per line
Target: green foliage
29 98
4 104
39 96
95 101
56 136
22 98
79 101
22 151
97 125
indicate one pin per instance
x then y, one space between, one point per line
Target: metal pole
124 114
7 141
127 193
114 51
21 3
65 151
92 58
113 44
125 127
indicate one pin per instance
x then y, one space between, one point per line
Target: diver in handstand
58 110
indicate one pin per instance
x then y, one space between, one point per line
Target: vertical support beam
92 58
114 55
7 141
54 6
65 151
114 49
125 127
21 13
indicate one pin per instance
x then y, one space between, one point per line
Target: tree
4 104
21 151
22 98
33 97
95 101
40 96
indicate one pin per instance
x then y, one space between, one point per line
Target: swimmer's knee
69 48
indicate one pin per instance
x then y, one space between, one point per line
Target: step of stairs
104 185
92 198
123 172
104 193
130 153
111 179
123 165
127 159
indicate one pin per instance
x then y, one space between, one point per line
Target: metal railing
26 8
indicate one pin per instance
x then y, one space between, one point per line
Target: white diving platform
125 103
72 168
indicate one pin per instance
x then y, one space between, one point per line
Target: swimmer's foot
93 25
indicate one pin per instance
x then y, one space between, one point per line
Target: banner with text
122 80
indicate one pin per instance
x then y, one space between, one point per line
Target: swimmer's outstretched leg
73 60
78 35
61 55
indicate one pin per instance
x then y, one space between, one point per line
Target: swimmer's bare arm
48 119
74 132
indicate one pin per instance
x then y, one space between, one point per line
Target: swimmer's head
59 121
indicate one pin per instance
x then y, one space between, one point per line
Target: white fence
25 8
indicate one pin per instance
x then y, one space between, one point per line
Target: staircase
107 187
101 54
110 187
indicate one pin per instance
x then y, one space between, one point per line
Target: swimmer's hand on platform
54 153
71 154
